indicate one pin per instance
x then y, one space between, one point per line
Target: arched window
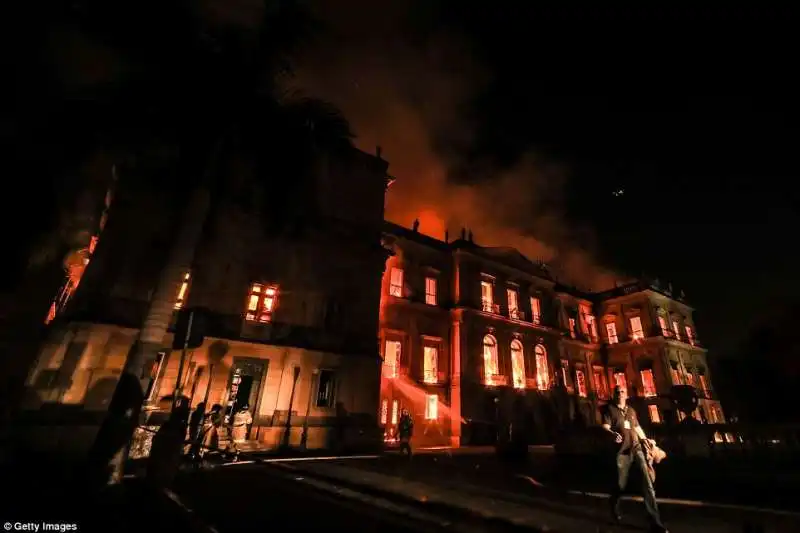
542 368
490 362
517 364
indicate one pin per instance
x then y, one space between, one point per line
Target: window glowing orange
637 333
542 368
703 385
690 335
620 381
611 330
180 301
572 327
513 304
655 416
395 411
580 381
517 364
430 291
676 329
490 361
565 375
591 326
487 296
648 383
396 282
432 407
261 303
599 382
430 364
391 359
675 374
536 310
384 411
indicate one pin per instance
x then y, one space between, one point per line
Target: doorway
247 377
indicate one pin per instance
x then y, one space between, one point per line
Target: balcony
489 307
516 314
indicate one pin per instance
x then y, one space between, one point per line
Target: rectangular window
155 373
430 291
620 381
655 416
572 327
676 329
261 303
690 335
599 382
396 282
591 326
611 330
326 389
432 407
518 368
430 364
536 310
636 328
704 385
183 291
384 411
648 383
487 296
662 323
565 375
395 411
580 381
675 374
690 378
391 359
513 305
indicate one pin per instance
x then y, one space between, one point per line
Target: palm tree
233 73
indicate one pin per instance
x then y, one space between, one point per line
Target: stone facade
292 313
510 342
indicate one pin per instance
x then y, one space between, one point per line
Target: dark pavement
268 498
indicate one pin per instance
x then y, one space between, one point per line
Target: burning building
467 336
474 337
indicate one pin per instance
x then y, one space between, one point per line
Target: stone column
456 339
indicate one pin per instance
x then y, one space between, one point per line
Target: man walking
620 420
405 430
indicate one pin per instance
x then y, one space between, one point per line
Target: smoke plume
406 89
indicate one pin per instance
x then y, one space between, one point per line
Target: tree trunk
110 450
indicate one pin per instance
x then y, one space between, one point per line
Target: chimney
446 236
378 151
415 225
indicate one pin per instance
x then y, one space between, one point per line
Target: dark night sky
693 114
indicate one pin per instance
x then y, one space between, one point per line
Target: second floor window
513 305
611 330
487 296
542 368
430 291
517 364
384 415
662 323
676 329
703 385
391 359
580 382
395 411
430 364
655 416
183 291
536 310
261 302
572 327
648 383
675 374
396 282
636 328
690 335
326 389
591 326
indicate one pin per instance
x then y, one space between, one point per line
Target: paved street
263 497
